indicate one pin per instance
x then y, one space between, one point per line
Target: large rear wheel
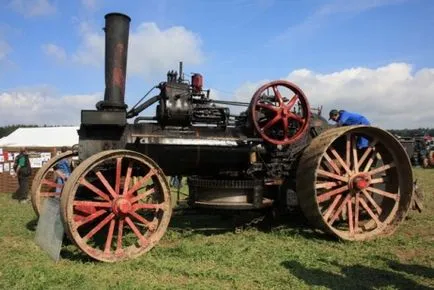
355 194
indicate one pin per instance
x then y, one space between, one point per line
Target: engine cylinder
116 38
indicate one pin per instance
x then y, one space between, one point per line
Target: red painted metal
197 82
279 113
110 225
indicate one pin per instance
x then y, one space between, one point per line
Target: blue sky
52 48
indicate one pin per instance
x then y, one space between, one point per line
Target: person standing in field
23 170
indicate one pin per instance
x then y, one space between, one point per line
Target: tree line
413 132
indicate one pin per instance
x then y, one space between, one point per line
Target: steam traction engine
116 205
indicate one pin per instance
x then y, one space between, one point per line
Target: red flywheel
280 112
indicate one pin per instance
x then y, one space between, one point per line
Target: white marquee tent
41 137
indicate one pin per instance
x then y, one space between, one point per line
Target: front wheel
116 205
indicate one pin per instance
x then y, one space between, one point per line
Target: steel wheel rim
359 193
115 214
38 193
313 185
279 113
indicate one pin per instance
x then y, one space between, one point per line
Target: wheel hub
359 181
122 206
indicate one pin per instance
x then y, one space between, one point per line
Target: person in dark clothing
345 118
23 171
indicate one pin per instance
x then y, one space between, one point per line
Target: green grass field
290 256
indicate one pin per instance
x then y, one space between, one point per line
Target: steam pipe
135 111
116 30
180 79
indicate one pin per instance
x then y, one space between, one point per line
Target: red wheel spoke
332 207
383 193
355 157
350 216
271 123
341 161
326 196
118 175
373 216
91 217
370 161
326 185
106 184
120 233
128 178
278 96
136 231
143 195
94 189
141 182
78 218
377 180
51 183
49 194
296 117
332 163
268 107
382 168
292 102
348 150
366 153
372 201
94 204
84 209
356 211
141 219
138 206
331 175
339 210
108 242
99 227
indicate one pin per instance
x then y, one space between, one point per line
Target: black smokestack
116 29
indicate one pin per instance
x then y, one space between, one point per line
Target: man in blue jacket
344 118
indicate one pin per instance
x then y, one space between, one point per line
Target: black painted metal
116 50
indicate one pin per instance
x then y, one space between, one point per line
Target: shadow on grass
31 225
412 269
74 254
351 277
213 222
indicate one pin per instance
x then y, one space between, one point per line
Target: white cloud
52 50
33 7
151 50
42 105
391 96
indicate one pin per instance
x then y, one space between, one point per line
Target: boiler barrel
196 160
